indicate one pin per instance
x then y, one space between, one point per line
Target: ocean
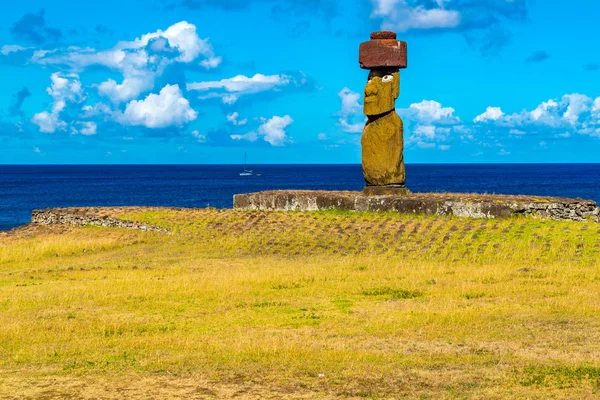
24 188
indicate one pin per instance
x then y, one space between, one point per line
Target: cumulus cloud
482 22
430 124
231 89
129 89
273 130
429 136
65 89
49 122
575 113
199 137
140 61
430 111
400 16
490 114
596 109
86 128
212 62
161 110
350 117
233 118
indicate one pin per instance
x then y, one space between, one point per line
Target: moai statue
382 140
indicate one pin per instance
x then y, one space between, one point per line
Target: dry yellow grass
301 305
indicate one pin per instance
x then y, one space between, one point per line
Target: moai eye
387 78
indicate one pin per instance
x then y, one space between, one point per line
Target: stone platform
452 204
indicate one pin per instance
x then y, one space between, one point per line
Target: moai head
384 56
381 91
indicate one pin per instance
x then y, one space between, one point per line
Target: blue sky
203 81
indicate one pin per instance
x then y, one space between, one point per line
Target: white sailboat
246 171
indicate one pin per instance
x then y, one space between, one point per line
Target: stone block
385 190
383 53
452 204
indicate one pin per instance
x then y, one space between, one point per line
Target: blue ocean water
25 188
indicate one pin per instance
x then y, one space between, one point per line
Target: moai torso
382 140
382 154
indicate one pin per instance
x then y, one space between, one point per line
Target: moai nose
371 89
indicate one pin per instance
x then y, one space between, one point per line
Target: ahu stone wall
85 217
458 205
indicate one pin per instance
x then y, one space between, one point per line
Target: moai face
381 91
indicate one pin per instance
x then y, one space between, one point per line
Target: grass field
301 305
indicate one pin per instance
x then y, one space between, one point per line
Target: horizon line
290 164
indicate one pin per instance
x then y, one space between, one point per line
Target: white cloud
430 111
578 104
351 110
322 136
425 132
212 62
573 113
199 137
183 37
273 130
233 118
428 123
140 61
425 145
230 98
251 137
49 123
161 110
64 89
95 110
490 114
229 90
12 48
426 136
596 109
88 128
400 16
544 111
129 89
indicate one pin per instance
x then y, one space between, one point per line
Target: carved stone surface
452 204
383 35
382 151
382 140
383 53
386 190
